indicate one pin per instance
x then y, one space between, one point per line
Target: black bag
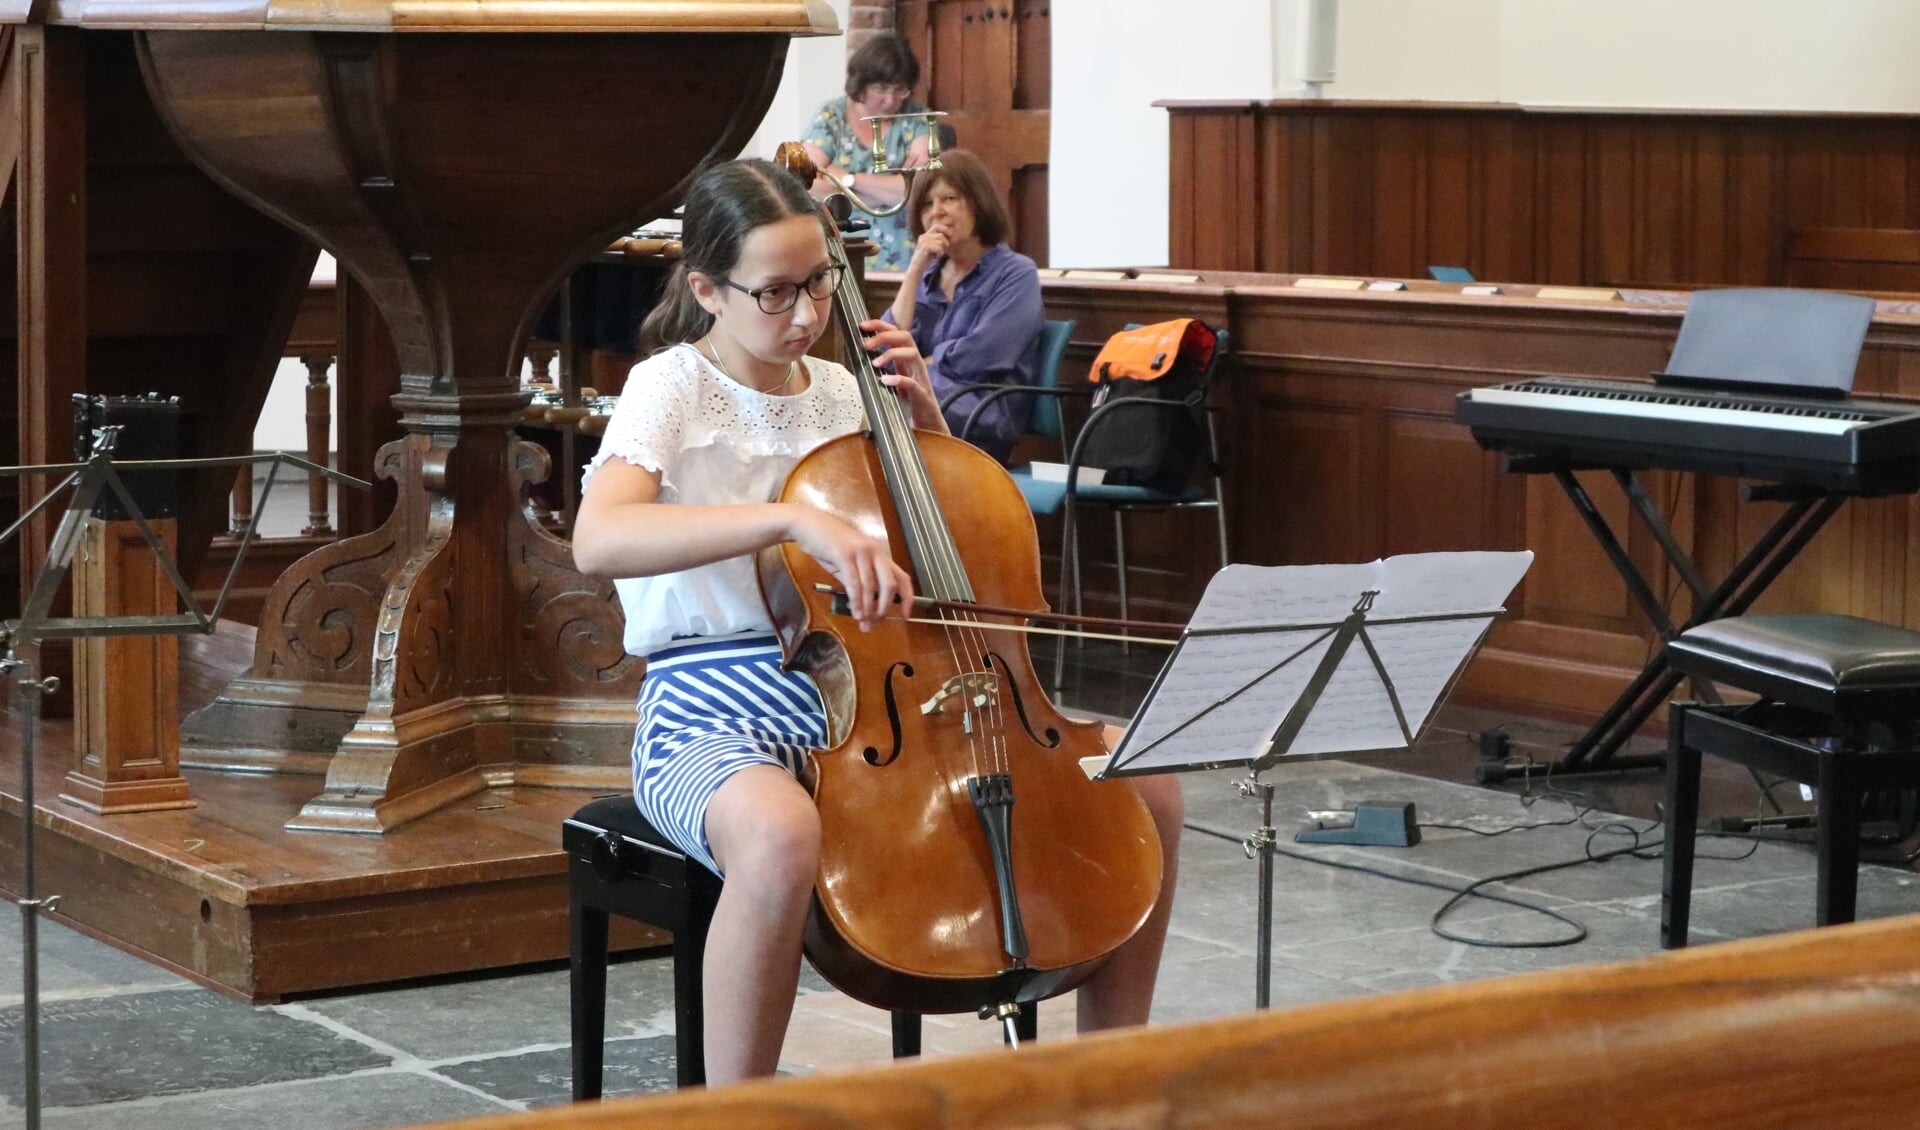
1151 447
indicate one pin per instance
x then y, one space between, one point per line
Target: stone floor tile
1225 986
114 1048
452 1019
544 1077
74 965
367 1101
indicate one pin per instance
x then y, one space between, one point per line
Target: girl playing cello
674 508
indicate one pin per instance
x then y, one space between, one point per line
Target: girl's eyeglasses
778 298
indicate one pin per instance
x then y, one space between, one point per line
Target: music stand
89 481
1267 671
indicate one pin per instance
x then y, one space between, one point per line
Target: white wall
1421 50
1746 54
816 71
1107 172
1114 58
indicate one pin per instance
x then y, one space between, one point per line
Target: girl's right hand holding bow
862 565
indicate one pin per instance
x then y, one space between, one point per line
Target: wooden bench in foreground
1819 1028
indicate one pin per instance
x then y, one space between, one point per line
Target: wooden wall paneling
1887 190
1663 195
1033 54
1503 203
1183 191
1398 170
1562 244
1575 584
1315 464
980 52
1888 367
1755 203
944 55
1282 222
1907 566
1347 197
1845 568
1881 533
1613 223
1217 190
1908 156
1452 228
973 59
1438 491
1850 167
912 19
1626 198
1808 164
1027 202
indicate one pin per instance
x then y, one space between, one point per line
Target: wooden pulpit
459 160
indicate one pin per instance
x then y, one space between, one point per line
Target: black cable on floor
1581 807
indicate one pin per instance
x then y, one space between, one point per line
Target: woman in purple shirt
971 302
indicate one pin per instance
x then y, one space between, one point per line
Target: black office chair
1070 497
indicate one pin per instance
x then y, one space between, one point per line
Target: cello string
914 497
967 646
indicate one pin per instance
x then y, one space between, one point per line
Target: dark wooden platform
224 894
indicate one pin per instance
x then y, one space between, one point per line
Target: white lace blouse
714 442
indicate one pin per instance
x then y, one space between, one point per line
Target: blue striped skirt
708 709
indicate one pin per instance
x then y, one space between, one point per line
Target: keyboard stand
1808 509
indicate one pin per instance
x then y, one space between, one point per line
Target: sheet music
1221 697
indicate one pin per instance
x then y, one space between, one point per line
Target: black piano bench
1839 709
617 863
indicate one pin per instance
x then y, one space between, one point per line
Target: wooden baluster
319 442
242 500
540 355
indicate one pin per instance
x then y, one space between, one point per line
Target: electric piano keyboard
1847 445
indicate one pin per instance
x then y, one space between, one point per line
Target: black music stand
1792 342
93 482
1268 671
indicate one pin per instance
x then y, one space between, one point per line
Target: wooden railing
1819 1028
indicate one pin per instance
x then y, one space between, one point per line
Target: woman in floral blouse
880 77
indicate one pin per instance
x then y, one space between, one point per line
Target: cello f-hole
1052 740
893 717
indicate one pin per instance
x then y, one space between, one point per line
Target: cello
967 863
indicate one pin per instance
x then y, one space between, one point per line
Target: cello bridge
976 689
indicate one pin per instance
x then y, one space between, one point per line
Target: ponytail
725 203
677 317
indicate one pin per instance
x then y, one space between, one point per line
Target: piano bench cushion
617 814
1837 665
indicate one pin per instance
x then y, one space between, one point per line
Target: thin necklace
793 370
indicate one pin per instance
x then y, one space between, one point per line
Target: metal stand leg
1120 561
1260 846
28 691
1009 1017
1597 749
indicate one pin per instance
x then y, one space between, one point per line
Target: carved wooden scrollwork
571 624
313 625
